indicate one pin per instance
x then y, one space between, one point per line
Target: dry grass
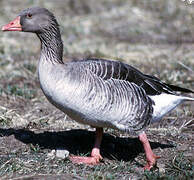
156 34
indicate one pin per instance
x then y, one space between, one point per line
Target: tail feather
177 88
160 86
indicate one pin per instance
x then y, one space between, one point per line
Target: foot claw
151 162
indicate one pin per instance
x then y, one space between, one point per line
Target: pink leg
150 156
95 154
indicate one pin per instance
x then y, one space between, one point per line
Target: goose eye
29 15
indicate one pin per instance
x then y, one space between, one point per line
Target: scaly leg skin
150 156
95 154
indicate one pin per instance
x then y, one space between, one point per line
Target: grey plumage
97 92
101 103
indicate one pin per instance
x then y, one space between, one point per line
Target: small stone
62 153
51 154
161 167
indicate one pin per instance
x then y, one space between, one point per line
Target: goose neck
51 46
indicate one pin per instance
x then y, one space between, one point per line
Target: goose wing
114 94
107 69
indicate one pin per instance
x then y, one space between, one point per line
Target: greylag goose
97 92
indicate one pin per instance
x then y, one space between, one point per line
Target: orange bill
13 25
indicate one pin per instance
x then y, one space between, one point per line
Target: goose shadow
81 142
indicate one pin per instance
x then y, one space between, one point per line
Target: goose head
43 23
36 20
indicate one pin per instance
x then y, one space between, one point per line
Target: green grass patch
15 90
